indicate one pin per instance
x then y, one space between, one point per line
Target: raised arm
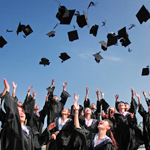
116 102
14 89
76 107
64 86
29 90
138 96
87 92
132 93
97 93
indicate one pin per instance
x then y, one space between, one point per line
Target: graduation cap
98 57
82 20
112 39
51 34
145 71
64 56
64 15
103 45
27 30
20 28
2 42
44 61
91 4
73 35
125 42
94 29
143 15
122 33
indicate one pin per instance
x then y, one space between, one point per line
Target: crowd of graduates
88 127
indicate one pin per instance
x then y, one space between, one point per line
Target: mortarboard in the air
125 42
73 35
143 15
145 71
94 29
82 20
51 34
2 42
98 57
20 28
64 15
112 39
103 45
44 61
64 56
27 30
122 33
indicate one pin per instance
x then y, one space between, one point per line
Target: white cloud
114 58
85 55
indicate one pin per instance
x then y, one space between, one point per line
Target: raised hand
102 94
64 86
132 115
103 114
14 85
29 88
76 106
144 94
51 126
34 94
6 84
137 95
87 90
117 96
53 137
97 91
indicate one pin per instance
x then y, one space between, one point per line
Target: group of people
82 127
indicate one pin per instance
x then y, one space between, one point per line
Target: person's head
65 111
82 112
111 110
93 106
19 104
21 114
127 107
55 97
36 107
105 124
88 111
121 105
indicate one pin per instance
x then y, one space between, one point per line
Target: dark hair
110 134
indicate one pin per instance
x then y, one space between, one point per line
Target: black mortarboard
2 42
122 33
82 20
145 71
51 34
143 15
112 39
44 61
98 57
94 29
125 42
73 35
20 28
27 30
64 56
103 45
64 15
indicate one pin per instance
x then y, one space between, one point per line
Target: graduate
55 105
146 122
16 135
61 134
99 140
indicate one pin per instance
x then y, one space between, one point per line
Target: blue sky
115 74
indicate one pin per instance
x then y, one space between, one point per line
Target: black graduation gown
35 122
146 126
88 138
55 107
63 138
148 101
13 137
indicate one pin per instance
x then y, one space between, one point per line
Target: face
21 114
93 106
55 97
36 107
127 107
103 125
65 111
20 104
88 111
121 106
